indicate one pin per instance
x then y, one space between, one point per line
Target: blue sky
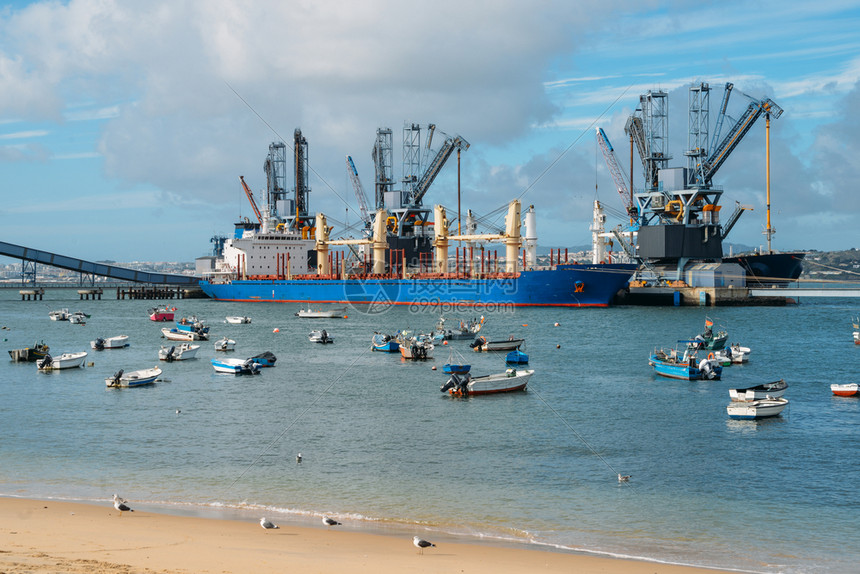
122 137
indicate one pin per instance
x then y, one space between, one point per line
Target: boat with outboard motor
236 366
178 352
64 361
760 409
225 344
137 378
685 366
321 336
481 343
384 343
461 385
265 359
103 343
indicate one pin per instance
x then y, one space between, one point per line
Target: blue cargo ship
573 285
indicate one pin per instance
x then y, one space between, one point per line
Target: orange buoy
444 342
526 325
276 330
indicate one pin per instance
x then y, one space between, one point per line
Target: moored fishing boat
133 378
64 361
178 352
225 344
103 343
465 384
265 359
321 336
414 349
463 330
750 410
177 335
733 354
59 315
78 318
309 313
709 340
845 390
772 390
236 366
237 320
30 354
516 357
161 314
685 366
384 343
481 343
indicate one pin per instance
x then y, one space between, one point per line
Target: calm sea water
384 449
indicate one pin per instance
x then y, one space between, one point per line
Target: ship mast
769 231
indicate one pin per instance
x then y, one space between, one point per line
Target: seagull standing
120 504
421 544
330 521
267 525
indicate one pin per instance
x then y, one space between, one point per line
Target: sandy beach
50 536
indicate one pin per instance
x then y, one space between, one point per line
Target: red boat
161 314
849 390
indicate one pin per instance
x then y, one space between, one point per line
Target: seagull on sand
330 521
121 505
421 544
267 525
624 477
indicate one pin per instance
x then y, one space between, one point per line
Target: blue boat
236 366
450 369
384 343
192 325
686 366
517 357
266 359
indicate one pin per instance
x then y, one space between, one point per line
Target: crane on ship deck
360 196
250 195
616 173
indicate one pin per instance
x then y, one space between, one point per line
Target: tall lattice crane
616 173
360 196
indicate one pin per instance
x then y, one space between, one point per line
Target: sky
125 125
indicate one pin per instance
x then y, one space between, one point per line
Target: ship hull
770 268
564 286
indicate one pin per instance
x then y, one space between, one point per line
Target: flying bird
267 525
421 544
330 521
121 505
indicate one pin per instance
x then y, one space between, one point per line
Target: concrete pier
704 297
34 294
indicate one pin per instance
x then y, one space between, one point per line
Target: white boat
236 320
60 315
772 390
749 410
733 354
133 378
177 335
464 384
414 348
339 313
482 344
463 330
117 342
178 352
78 318
225 344
236 366
64 361
321 337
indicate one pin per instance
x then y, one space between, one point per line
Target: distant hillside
832 266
